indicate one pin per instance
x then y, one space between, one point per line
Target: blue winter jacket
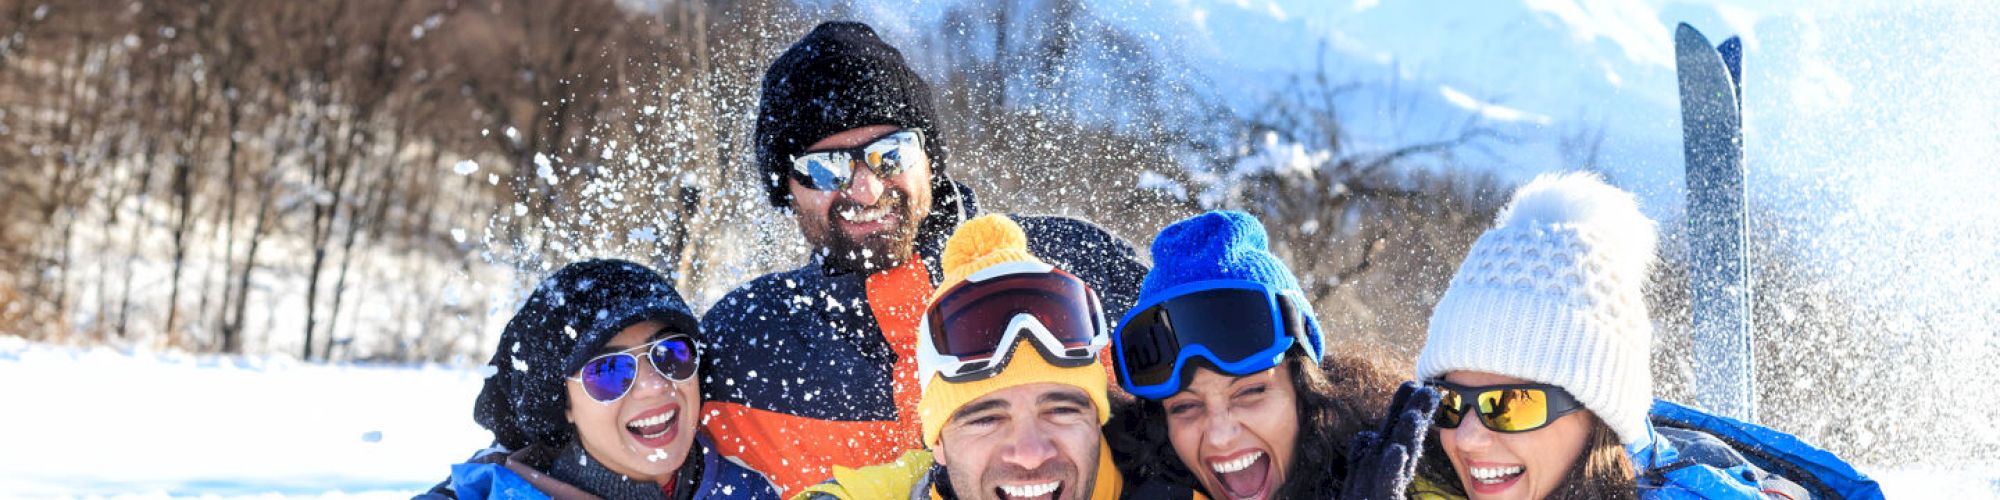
491 477
1691 454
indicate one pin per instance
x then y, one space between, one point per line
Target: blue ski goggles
1241 327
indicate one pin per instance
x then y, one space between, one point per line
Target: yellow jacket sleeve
1423 489
896 479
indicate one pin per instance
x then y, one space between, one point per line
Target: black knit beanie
839 77
569 317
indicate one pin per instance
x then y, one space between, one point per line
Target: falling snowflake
643 235
543 168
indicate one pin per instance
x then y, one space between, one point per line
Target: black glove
1380 468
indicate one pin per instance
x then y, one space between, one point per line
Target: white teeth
1494 475
654 420
1237 464
1033 490
864 216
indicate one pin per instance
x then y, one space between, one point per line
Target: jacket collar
1652 451
951 204
573 473
579 469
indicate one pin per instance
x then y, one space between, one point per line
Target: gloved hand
1381 463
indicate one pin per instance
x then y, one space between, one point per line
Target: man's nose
866 187
1030 448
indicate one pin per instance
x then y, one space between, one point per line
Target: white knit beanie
1554 293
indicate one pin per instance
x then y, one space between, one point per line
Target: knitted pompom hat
980 243
1221 245
1555 293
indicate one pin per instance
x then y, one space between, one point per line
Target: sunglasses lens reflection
1451 409
607 378
675 358
1514 410
827 173
831 170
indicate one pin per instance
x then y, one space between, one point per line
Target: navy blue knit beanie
564 322
841 76
1219 245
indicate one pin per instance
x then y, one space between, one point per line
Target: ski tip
1686 29
1732 57
1731 48
1686 38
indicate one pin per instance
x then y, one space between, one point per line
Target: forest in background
381 180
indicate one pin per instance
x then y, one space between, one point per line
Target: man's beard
871 252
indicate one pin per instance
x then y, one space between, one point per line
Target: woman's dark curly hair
1343 395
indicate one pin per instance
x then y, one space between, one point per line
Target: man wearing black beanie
815 367
841 86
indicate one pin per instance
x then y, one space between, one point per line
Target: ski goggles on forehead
1508 408
970 331
608 377
833 169
1240 327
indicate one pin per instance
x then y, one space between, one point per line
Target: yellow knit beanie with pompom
978 244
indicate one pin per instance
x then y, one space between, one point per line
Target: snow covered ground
101 422
116 423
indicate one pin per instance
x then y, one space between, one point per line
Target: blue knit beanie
1220 245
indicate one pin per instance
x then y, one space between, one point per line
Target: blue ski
1712 135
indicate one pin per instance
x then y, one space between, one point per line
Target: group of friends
931 351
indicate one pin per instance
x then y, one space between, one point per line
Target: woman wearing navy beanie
595 393
1239 397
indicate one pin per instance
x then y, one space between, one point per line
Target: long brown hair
1337 398
1602 470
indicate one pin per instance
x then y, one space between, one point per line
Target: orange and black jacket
811 368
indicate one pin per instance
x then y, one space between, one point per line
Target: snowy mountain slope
1541 71
1538 71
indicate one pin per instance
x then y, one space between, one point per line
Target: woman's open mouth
656 428
1246 475
1494 479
